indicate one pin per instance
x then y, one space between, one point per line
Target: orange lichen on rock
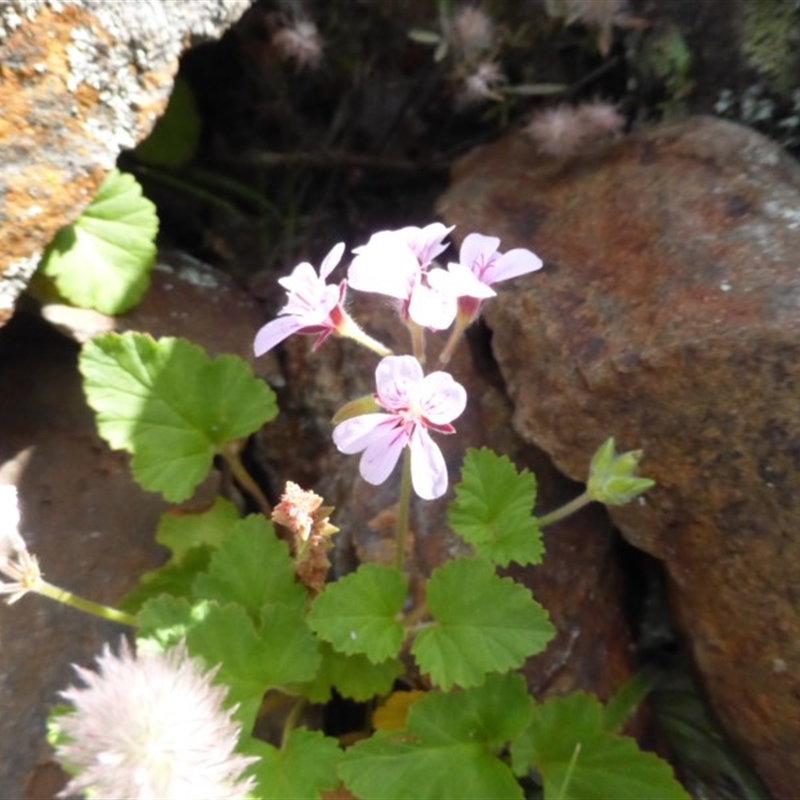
49 168
78 83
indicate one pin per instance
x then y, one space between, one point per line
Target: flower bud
611 476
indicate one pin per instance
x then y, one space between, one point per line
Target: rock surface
667 315
79 81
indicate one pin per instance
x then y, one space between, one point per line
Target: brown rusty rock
78 81
668 315
579 582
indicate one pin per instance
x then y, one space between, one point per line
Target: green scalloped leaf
303 767
164 621
481 623
493 508
382 768
578 759
253 568
491 714
170 405
448 749
175 579
353 676
103 259
359 613
275 651
280 651
182 531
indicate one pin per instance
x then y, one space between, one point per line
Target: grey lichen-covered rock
668 315
79 81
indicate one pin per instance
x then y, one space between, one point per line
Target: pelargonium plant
244 628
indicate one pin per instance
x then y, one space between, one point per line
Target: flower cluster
400 264
151 727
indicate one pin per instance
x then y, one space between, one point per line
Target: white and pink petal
477 251
431 308
442 398
331 260
384 265
426 243
512 264
354 435
467 284
428 467
394 377
274 332
383 452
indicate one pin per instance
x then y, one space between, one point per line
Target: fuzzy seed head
565 130
481 85
151 727
472 31
299 42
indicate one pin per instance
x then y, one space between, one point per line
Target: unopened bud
611 476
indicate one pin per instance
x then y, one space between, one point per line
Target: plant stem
568 508
291 719
352 330
415 616
455 337
68 598
245 480
403 507
417 340
570 769
190 188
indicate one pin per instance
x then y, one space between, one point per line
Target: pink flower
398 264
313 307
415 403
481 265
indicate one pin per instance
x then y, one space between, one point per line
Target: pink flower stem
350 329
417 340
568 508
403 509
455 337
68 598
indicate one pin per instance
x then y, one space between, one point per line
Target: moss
770 39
